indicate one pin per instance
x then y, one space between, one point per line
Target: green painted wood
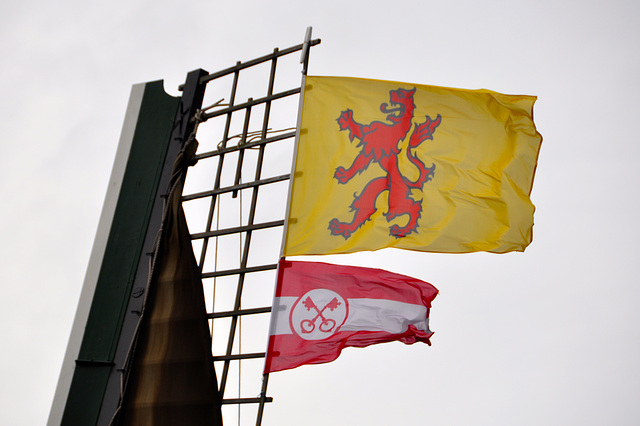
123 250
130 223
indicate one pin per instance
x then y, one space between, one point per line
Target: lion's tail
426 173
421 133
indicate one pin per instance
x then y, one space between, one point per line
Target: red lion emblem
379 142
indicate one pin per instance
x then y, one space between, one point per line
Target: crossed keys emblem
327 324
318 314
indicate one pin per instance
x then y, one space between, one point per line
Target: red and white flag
321 308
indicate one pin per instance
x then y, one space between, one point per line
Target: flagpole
304 60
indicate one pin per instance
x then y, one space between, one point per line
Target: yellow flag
388 164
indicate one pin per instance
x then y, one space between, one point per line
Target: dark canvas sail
170 377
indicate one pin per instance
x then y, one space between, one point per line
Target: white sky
550 336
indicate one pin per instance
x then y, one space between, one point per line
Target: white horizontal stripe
280 315
364 315
384 315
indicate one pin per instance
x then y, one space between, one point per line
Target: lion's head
400 104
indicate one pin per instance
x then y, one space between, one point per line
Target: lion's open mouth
395 110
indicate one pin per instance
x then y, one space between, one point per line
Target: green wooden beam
132 190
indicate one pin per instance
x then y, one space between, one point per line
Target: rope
199 117
240 319
252 136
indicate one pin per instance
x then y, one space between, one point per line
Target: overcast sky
550 336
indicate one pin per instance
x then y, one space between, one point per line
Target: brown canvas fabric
171 378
